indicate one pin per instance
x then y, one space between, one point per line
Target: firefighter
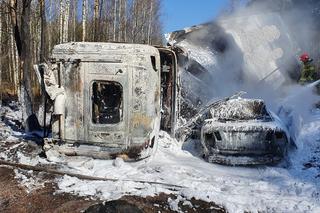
308 73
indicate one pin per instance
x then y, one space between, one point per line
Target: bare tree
49 28
150 21
84 19
15 46
66 21
22 38
115 19
96 20
43 48
62 8
74 20
119 21
1 56
124 17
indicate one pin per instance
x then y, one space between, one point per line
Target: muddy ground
15 198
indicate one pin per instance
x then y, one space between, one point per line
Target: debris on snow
238 189
28 179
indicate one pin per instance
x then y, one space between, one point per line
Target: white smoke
272 39
258 52
256 49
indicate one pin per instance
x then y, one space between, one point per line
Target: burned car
243 132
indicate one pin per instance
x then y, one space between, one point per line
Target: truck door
106 103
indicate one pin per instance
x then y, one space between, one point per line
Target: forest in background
30 28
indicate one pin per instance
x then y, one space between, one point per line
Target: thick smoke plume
254 49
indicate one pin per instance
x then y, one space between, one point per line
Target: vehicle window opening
152 142
218 136
279 135
209 138
153 61
269 136
107 106
167 89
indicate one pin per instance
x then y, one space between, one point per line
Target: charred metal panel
74 85
106 72
112 93
145 98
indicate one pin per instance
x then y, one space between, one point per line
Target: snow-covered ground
294 187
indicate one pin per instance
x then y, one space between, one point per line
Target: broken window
107 102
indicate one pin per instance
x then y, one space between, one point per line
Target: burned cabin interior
106 102
168 89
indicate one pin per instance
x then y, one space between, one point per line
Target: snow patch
174 204
30 182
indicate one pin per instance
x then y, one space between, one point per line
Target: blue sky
177 14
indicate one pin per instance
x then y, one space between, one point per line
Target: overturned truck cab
113 98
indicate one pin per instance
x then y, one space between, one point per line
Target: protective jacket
308 73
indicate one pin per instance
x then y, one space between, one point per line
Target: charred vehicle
109 99
242 132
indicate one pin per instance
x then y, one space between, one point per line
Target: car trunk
243 138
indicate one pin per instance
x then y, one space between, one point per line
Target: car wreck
243 132
109 99
112 99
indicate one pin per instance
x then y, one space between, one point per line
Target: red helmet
304 57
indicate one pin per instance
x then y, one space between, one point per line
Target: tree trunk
143 23
61 21
0 58
120 21
23 42
50 25
14 65
66 21
74 20
36 34
101 31
25 60
150 22
15 35
125 21
107 27
96 20
84 19
43 49
115 20
134 21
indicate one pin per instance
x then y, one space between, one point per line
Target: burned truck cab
112 95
